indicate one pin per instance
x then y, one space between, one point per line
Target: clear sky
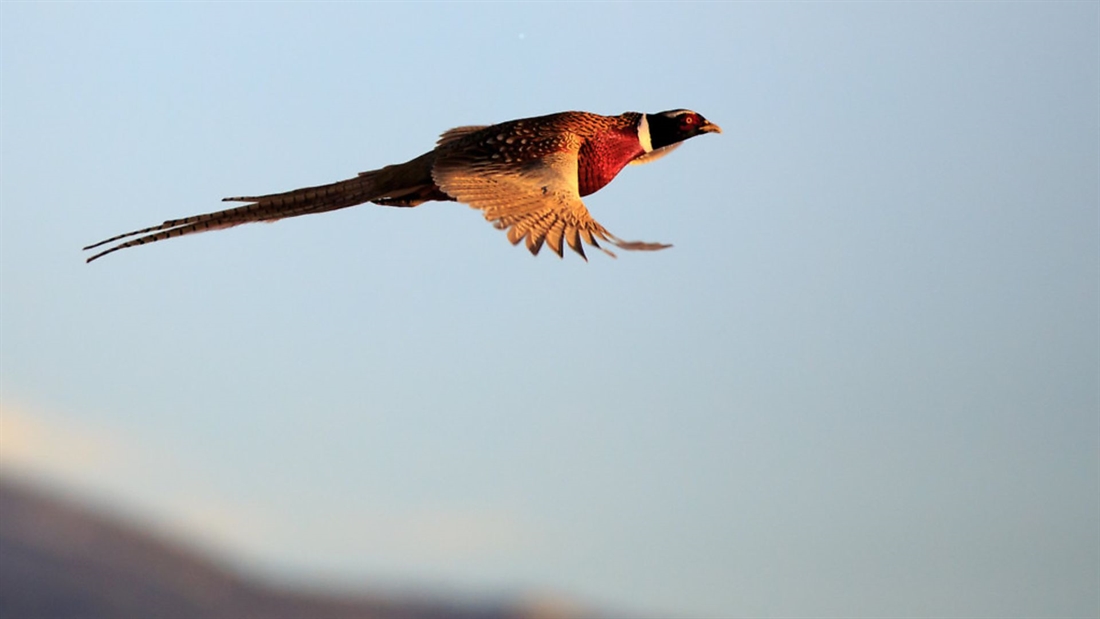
864 382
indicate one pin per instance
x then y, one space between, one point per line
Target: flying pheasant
527 176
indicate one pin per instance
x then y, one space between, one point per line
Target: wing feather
458 133
536 200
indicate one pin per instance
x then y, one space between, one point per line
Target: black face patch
673 126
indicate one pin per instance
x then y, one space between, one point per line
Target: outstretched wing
531 191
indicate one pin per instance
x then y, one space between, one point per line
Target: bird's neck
604 155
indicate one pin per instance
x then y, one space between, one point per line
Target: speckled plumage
526 176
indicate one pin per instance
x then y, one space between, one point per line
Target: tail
366 187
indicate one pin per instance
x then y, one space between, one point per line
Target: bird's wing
457 133
533 195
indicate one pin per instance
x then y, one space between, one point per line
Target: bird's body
527 176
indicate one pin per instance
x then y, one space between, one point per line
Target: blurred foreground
59 560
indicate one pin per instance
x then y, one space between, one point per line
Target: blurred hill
58 560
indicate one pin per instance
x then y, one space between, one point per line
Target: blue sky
864 382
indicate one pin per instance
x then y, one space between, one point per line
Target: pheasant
527 177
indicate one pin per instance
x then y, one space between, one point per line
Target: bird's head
674 126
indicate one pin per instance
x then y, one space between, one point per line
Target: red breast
603 156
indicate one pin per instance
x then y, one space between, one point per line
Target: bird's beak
709 127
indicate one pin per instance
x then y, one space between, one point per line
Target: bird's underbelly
601 159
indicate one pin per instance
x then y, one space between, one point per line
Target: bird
526 176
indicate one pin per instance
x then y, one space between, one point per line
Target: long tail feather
268 208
